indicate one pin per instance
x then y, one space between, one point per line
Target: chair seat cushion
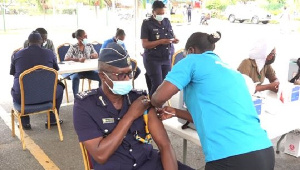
30 108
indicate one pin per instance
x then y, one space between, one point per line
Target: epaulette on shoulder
140 92
85 94
147 19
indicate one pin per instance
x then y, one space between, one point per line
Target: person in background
27 58
220 105
112 124
119 39
189 12
47 43
157 37
258 65
79 52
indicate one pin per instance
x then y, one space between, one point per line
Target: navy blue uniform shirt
95 116
153 31
28 58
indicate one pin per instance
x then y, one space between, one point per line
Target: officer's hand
138 107
274 86
82 60
175 40
165 41
166 113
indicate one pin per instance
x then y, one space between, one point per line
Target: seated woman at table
219 104
119 39
258 65
79 52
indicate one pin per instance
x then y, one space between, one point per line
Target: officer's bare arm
152 44
162 140
101 148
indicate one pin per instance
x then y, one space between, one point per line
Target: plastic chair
134 67
97 46
86 157
38 95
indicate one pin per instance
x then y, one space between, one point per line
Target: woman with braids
219 104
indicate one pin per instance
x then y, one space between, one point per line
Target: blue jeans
92 75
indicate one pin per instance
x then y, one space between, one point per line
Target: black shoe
26 126
53 123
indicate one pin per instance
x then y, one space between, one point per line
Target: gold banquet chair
175 58
134 67
86 157
37 85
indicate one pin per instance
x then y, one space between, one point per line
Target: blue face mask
120 87
159 17
85 41
120 42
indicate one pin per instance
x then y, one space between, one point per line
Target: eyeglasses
122 76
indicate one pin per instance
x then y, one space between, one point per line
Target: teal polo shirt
220 104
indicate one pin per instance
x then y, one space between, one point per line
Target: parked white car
251 13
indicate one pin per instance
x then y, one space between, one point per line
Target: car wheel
241 21
231 18
265 22
255 20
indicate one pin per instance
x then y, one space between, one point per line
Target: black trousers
257 160
156 72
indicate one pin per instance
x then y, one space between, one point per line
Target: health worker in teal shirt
220 106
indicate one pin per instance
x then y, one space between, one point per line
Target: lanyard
148 137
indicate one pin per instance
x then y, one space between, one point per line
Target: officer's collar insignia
108 120
83 94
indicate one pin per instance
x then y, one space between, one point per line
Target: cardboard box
292 144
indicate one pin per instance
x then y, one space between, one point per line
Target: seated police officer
27 58
109 121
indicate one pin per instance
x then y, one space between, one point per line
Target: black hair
157 4
203 41
78 33
41 31
120 32
34 37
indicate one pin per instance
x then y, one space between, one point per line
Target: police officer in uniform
110 122
157 38
27 58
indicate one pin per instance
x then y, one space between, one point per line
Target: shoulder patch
84 94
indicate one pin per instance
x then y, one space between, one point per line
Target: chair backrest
97 46
177 57
86 157
38 85
62 51
133 64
